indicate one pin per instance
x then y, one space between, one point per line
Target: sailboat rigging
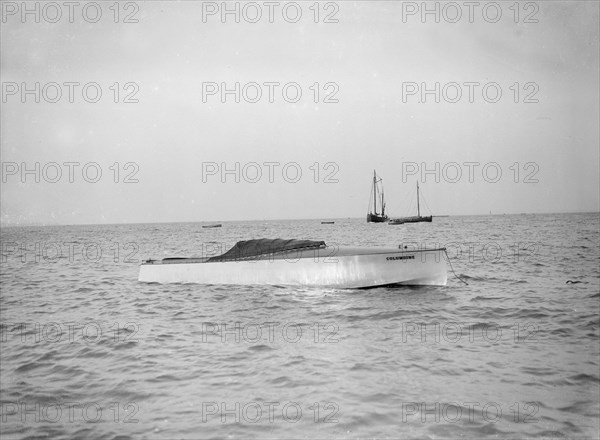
374 216
417 219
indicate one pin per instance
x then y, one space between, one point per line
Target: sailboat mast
374 192
418 208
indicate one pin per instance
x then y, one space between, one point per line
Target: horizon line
6 225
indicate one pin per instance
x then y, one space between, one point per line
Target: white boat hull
327 267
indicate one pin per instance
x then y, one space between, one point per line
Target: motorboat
303 263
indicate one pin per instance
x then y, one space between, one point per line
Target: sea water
87 351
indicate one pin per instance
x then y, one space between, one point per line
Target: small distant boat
374 216
216 225
327 223
417 219
303 263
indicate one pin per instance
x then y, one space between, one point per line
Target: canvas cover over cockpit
264 246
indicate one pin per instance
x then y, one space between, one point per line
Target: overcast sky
177 136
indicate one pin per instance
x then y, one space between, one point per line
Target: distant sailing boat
375 217
417 219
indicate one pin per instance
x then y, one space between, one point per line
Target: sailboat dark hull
418 219
374 218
